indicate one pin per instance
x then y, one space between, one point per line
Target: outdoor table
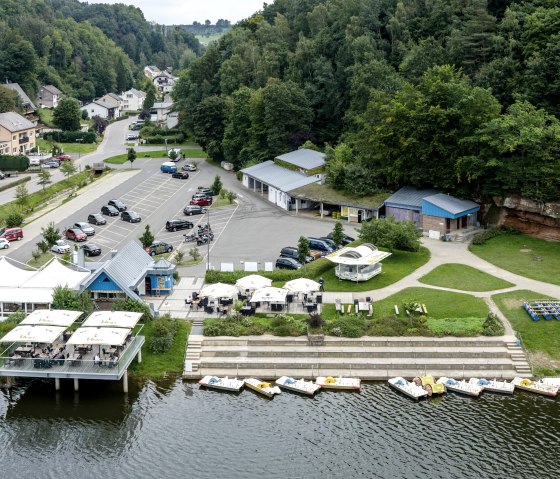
75 358
24 351
17 359
111 351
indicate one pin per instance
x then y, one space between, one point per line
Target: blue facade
163 284
432 210
103 283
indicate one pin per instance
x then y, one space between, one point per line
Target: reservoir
173 429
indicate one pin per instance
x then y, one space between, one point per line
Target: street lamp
79 141
209 241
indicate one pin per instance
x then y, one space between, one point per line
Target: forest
86 50
460 95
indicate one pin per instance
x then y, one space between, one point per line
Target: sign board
251 266
269 266
433 234
226 267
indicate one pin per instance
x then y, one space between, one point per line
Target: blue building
130 273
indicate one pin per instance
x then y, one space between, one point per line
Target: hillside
461 96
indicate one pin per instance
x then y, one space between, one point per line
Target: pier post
76 384
139 356
57 384
125 382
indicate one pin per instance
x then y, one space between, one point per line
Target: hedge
70 136
15 183
14 162
310 270
490 233
158 139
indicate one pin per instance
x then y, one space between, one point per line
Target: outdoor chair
368 299
337 305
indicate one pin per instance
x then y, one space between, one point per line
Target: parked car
194 210
287 263
60 247
201 201
200 196
63 157
168 167
174 225
4 243
292 252
117 204
109 210
182 175
188 167
330 242
345 239
132 136
75 234
206 191
85 227
130 216
91 249
159 247
320 245
11 234
50 164
2 175
96 219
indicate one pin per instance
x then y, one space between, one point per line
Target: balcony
23 139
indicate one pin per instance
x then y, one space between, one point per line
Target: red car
75 234
64 158
201 201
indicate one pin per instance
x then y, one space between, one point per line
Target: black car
287 263
182 175
130 216
174 225
159 247
194 210
292 252
96 219
345 239
91 249
117 204
109 211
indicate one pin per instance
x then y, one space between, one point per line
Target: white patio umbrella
269 294
55 317
253 281
302 285
99 336
219 290
33 334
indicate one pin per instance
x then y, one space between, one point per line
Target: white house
151 71
164 82
133 100
160 112
101 109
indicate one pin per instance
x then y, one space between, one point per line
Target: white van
34 162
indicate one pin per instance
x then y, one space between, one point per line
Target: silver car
85 227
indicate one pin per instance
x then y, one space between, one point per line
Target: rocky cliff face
533 218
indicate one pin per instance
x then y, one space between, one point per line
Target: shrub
14 162
493 326
69 136
133 306
349 326
490 233
43 246
14 219
163 332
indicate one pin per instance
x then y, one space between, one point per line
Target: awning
269 294
99 336
26 295
33 334
112 319
55 317
253 281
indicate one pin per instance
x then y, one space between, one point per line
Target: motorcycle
191 237
204 239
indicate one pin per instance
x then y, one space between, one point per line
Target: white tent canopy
113 319
11 275
55 317
99 336
54 274
269 294
219 290
33 334
24 295
302 285
252 282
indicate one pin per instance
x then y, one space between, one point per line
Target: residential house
164 82
160 111
151 71
49 96
17 134
435 213
29 107
112 99
133 100
108 111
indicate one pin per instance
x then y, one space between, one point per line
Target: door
360 215
148 286
464 221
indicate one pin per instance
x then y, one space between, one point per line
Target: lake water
173 429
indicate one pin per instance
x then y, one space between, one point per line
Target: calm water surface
173 429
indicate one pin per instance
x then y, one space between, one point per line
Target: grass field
74 149
531 257
121 159
41 260
158 365
462 277
541 338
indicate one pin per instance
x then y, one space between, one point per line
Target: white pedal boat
298 385
262 387
408 388
494 386
330 382
551 381
537 387
461 387
222 384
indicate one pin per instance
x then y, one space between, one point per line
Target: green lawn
462 277
220 202
121 159
158 365
541 338
43 259
531 257
76 149
46 116
395 267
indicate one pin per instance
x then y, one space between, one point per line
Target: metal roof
278 177
304 158
52 89
24 98
409 196
162 105
13 122
450 203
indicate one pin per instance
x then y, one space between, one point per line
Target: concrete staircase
194 350
370 358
